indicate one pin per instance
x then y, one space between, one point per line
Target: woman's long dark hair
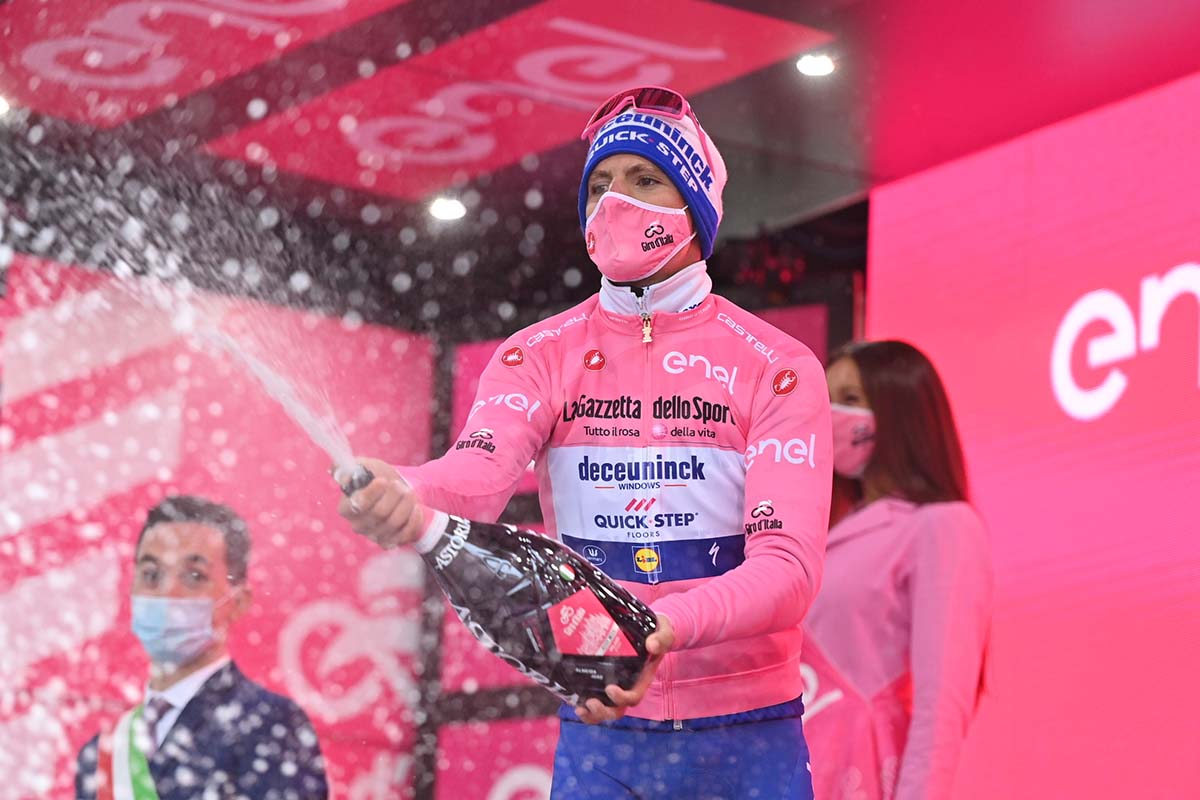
917 452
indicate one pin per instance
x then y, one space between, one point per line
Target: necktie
152 713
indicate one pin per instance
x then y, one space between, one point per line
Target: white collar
685 289
179 694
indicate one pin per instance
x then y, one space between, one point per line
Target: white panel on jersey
630 494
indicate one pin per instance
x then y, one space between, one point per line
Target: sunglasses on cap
651 99
657 100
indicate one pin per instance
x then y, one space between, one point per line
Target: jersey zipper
648 340
647 319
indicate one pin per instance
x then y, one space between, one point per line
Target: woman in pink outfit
894 643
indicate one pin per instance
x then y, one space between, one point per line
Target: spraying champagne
536 604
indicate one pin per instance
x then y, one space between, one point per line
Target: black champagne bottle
538 605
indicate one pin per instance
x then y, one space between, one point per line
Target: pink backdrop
105 409
1053 280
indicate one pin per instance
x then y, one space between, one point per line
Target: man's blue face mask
173 630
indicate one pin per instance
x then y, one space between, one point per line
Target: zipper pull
646 329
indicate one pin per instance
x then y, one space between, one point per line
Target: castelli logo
591 243
513 357
784 382
594 360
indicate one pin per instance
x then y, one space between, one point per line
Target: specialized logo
1124 337
763 513
793 451
676 363
513 357
758 344
784 382
648 474
648 560
623 407
594 360
640 505
480 440
655 234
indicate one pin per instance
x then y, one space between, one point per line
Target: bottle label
583 627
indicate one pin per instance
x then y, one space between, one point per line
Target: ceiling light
815 65
447 208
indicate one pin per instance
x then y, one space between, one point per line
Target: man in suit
203 729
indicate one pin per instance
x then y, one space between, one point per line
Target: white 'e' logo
1119 344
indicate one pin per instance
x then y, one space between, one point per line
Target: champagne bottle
540 606
535 603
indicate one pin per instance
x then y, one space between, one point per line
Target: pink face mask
630 240
853 439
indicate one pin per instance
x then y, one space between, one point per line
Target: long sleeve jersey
683 446
894 650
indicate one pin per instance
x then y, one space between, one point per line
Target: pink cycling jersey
682 445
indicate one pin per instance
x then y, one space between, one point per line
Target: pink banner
1054 282
524 85
103 62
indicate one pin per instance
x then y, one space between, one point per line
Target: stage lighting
447 208
815 65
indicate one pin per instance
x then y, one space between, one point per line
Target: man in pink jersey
683 446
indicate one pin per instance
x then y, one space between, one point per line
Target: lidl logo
647 560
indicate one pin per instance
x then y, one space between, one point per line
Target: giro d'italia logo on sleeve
594 360
784 382
762 518
513 357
